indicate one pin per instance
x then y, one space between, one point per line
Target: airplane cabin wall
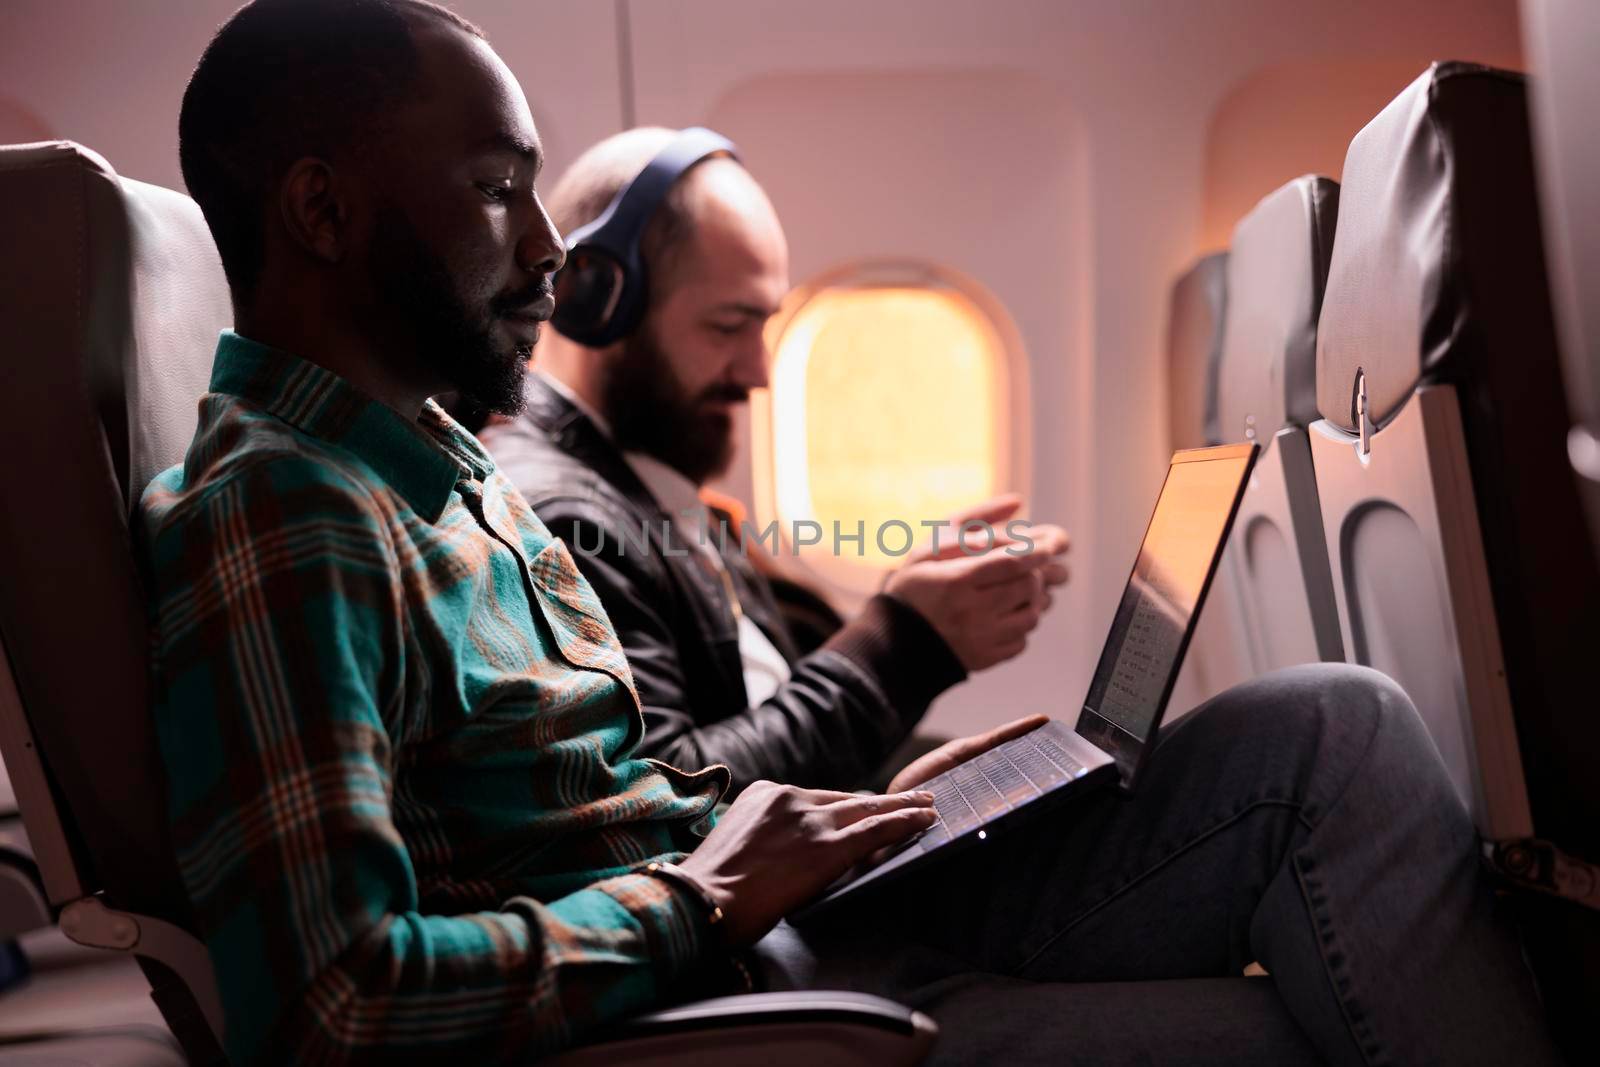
110 74
1072 156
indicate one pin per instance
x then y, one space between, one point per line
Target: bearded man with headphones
675 261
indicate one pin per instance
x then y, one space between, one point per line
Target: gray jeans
1303 820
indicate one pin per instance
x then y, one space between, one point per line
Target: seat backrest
1218 653
1277 270
1266 392
1437 293
1194 333
1564 39
111 299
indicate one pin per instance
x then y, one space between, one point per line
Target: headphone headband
601 292
621 225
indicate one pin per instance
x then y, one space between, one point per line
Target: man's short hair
282 80
595 178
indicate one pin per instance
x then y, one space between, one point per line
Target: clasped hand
984 592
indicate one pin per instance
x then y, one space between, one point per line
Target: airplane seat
1194 336
1455 536
102 303
1266 392
1216 659
111 300
1564 37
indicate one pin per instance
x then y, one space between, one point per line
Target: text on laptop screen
1142 651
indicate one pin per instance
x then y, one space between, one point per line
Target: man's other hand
982 598
780 846
954 753
954 540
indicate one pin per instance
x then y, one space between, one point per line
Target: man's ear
313 209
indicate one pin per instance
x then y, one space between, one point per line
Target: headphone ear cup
590 289
600 290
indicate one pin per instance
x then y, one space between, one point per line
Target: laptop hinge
1536 864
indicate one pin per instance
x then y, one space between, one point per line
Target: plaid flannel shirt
398 728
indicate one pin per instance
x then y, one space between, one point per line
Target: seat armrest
778 1029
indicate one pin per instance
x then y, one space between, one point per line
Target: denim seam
1361 1031
1153 868
1365 1040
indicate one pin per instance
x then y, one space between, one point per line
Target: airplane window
890 408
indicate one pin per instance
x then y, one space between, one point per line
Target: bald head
716 190
595 177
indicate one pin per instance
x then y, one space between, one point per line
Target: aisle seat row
1391 344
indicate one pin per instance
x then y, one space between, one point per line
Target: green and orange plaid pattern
398 730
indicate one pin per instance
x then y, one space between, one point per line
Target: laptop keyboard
998 780
981 789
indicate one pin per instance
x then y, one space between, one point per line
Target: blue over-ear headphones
602 289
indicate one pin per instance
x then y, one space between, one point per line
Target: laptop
993 792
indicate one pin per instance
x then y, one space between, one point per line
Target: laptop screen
1156 616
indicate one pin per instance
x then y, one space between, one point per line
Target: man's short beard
419 292
649 413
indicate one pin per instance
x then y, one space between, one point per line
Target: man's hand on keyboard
954 753
780 846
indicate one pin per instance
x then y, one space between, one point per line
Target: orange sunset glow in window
891 404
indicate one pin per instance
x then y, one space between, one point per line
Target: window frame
849 578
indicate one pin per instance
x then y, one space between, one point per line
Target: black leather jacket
844 709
